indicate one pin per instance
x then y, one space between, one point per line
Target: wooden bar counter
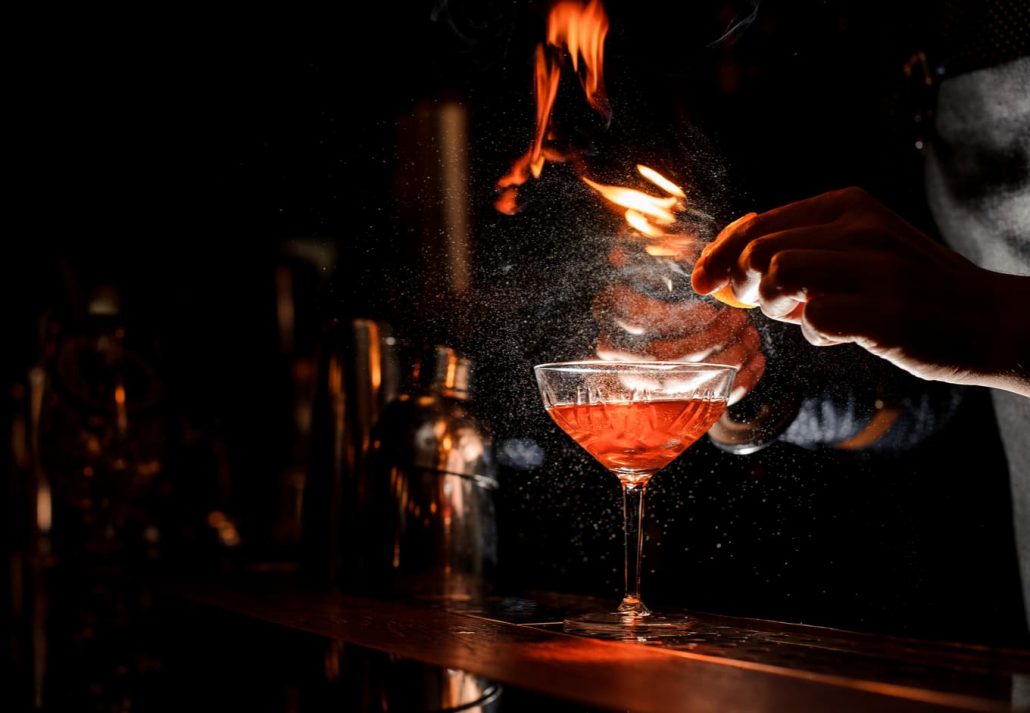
723 664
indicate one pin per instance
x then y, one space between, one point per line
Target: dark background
180 155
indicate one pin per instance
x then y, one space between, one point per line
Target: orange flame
547 74
653 207
580 29
661 181
652 216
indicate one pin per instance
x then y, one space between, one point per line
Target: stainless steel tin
357 375
426 510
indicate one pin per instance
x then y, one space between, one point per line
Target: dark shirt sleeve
845 397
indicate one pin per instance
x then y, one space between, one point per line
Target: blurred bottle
90 449
426 522
297 287
101 438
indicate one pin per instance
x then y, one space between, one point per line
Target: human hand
847 269
635 326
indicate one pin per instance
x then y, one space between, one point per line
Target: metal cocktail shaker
426 521
357 375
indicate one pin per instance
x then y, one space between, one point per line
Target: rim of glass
587 365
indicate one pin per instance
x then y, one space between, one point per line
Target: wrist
1008 346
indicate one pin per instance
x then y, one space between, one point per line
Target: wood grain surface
691 674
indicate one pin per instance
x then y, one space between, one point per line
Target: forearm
1007 340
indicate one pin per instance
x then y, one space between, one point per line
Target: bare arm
847 269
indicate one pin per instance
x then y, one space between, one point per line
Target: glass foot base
630 627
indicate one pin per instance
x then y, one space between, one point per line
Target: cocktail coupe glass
635 418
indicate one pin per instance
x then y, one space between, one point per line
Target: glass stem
633 511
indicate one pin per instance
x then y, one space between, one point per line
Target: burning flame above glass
666 226
635 418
